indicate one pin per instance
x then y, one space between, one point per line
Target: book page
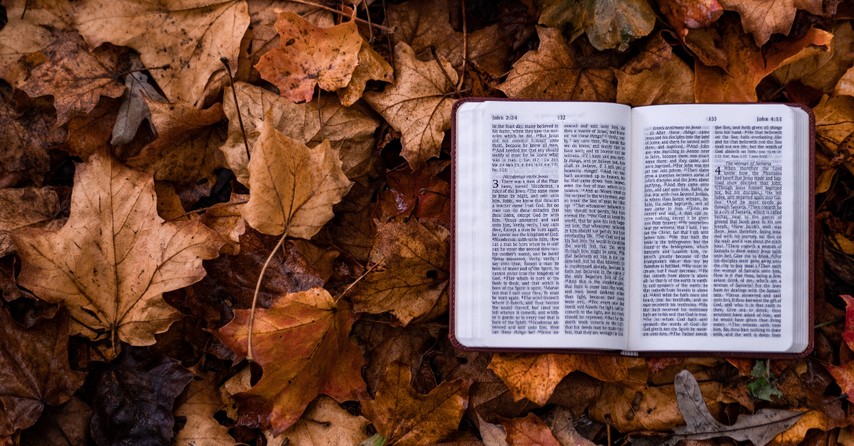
712 217
546 183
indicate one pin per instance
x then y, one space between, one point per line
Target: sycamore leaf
655 76
302 343
759 428
112 261
293 187
406 417
748 65
371 67
536 376
68 71
410 275
309 56
325 424
608 23
557 71
201 402
34 370
418 104
22 208
690 14
763 18
191 38
529 431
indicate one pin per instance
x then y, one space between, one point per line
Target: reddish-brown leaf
529 431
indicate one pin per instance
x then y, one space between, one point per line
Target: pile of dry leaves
143 191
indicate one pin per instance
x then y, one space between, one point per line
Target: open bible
670 228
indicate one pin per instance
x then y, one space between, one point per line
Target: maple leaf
411 275
302 343
557 71
608 23
536 376
690 14
324 424
748 65
34 370
406 417
529 431
309 56
418 104
22 208
655 76
201 402
371 67
765 18
111 262
293 187
191 38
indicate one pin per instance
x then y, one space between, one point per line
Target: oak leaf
112 261
324 424
406 417
191 38
292 187
409 278
536 376
608 23
556 70
309 56
34 370
748 65
529 431
22 208
690 14
763 18
201 402
655 76
418 104
302 343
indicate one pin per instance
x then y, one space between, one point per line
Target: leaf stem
249 355
236 106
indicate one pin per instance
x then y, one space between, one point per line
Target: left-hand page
540 224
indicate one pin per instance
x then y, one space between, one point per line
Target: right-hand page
712 256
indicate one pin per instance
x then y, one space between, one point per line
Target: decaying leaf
23 208
34 370
410 271
302 343
309 56
759 428
293 187
529 431
134 108
405 417
765 18
202 401
111 262
325 423
608 23
418 104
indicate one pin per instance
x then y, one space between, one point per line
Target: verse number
718 170
494 184
711 118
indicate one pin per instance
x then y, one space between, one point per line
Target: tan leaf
292 187
202 400
191 37
529 431
812 419
536 376
608 23
410 276
763 18
406 417
23 208
20 37
845 85
326 423
822 69
113 260
655 76
557 71
690 14
318 357
418 104
226 220
748 65
309 56
371 67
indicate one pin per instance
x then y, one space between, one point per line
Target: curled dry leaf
418 104
34 370
406 417
317 357
763 18
191 38
23 208
309 56
293 187
324 424
410 275
113 260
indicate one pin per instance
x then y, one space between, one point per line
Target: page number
711 118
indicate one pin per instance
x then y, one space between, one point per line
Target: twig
445 73
333 10
249 355
359 279
209 208
236 106
465 47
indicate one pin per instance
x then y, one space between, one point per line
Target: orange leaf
529 431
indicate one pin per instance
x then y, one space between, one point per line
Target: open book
671 228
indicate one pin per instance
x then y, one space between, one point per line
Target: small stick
249 355
236 106
465 47
326 8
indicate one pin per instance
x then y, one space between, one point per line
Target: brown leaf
134 108
561 423
536 376
325 424
226 220
557 71
822 69
834 124
644 408
201 402
309 56
67 70
318 357
608 23
112 261
34 370
352 229
690 14
410 277
748 65
419 194
418 104
67 424
23 208
371 67
191 38
292 187
406 417
529 431
655 76
20 37
763 18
